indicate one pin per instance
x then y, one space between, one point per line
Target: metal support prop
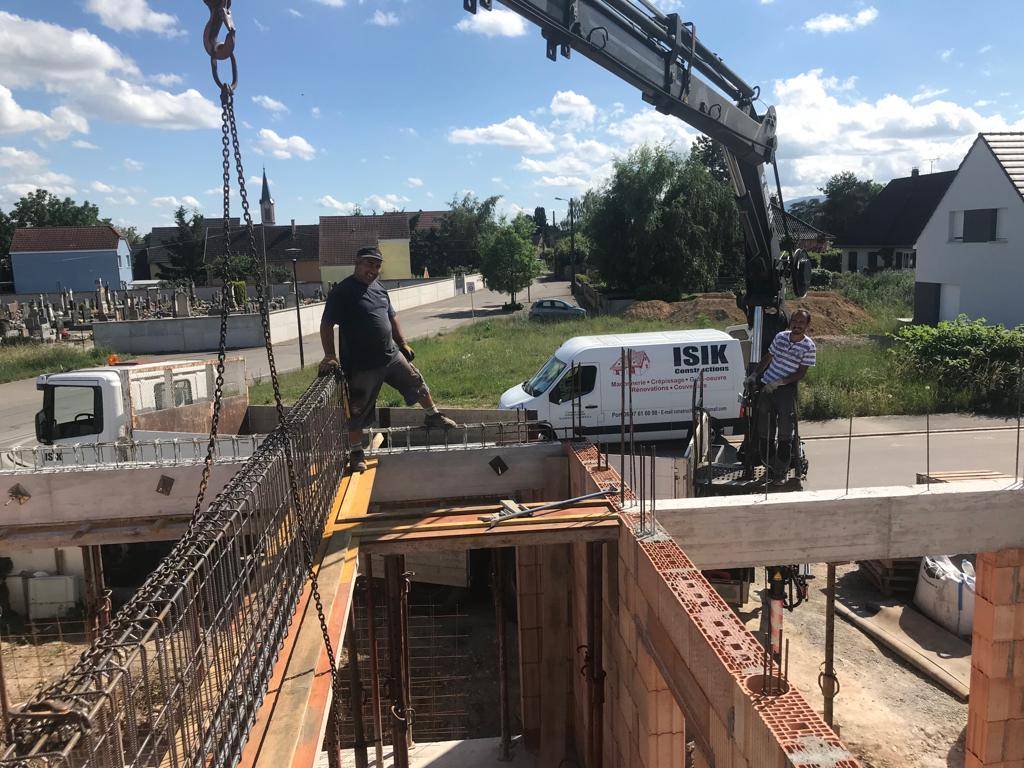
355 693
371 638
498 587
406 666
394 589
595 630
828 675
97 607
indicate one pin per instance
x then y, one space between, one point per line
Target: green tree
540 220
509 262
187 252
662 226
846 197
711 154
6 233
131 236
44 209
425 251
463 230
809 210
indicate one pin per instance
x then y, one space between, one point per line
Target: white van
664 366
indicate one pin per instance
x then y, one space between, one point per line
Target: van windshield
545 377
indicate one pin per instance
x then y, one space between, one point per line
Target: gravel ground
888 714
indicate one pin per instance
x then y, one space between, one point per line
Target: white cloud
83 144
515 132
573 107
167 79
134 16
651 126
983 103
315 112
121 200
414 182
96 78
331 3
984 49
57 183
284 148
927 94
269 104
336 205
99 186
827 23
496 23
385 202
562 181
14 160
59 124
383 18
132 165
295 13
823 131
409 132
946 54
170 201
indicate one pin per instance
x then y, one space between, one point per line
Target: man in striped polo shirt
792 352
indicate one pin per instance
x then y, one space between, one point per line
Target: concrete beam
834 526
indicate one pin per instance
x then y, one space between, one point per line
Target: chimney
914 172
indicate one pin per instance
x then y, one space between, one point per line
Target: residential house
46 259
971 250
885 234
807 236
342 236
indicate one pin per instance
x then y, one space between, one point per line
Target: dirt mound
831 313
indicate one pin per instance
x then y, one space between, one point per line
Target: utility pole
293 252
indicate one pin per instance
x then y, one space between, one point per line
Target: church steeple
266 203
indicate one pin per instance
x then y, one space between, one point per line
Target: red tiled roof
36 239
428 219
342 236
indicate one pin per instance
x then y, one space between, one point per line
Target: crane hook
220 15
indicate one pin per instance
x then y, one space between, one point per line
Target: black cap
370 252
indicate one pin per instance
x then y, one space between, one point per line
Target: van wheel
546 432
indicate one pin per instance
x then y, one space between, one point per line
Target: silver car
556 309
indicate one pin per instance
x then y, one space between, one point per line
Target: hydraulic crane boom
660 55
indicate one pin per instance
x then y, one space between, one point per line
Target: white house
970 255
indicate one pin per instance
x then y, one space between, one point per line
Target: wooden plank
603 530
832 526
554 665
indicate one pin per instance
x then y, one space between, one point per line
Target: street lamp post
572 240
293 252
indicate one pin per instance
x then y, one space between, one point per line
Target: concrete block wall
669 616
995 715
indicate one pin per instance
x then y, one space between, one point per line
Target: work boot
439 421
356 461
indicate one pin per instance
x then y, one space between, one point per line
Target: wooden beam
834 526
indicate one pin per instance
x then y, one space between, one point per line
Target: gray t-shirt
364 313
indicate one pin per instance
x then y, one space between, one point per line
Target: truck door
579 382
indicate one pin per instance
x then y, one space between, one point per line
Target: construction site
511 590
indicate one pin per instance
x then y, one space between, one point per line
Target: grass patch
888 295
24 361
471 366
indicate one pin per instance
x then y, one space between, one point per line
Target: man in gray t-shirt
373 350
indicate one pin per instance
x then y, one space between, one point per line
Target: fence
178 675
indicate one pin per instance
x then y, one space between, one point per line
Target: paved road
19 400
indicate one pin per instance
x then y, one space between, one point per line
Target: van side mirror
44 433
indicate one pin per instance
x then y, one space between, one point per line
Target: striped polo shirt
787 356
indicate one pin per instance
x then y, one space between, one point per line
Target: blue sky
404 103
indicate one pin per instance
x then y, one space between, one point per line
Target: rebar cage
177 677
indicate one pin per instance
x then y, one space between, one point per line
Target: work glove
751 380
407 352
770 387
328 366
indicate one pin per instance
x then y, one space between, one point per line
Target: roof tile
342 236
40 239
1008 149
899 212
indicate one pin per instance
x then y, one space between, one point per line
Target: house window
981 225
851 261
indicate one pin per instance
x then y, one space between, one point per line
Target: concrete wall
202 334
987 276
40 272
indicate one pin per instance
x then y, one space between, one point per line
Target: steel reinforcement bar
178 675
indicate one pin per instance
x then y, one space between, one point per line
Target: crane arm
660 55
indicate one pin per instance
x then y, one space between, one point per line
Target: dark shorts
364 387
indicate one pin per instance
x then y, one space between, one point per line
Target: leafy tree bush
509 261
889 291
846 197
966 356
822 279
831 260
662 226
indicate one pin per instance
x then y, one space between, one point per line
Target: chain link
310 538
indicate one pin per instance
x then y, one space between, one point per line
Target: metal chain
220 16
